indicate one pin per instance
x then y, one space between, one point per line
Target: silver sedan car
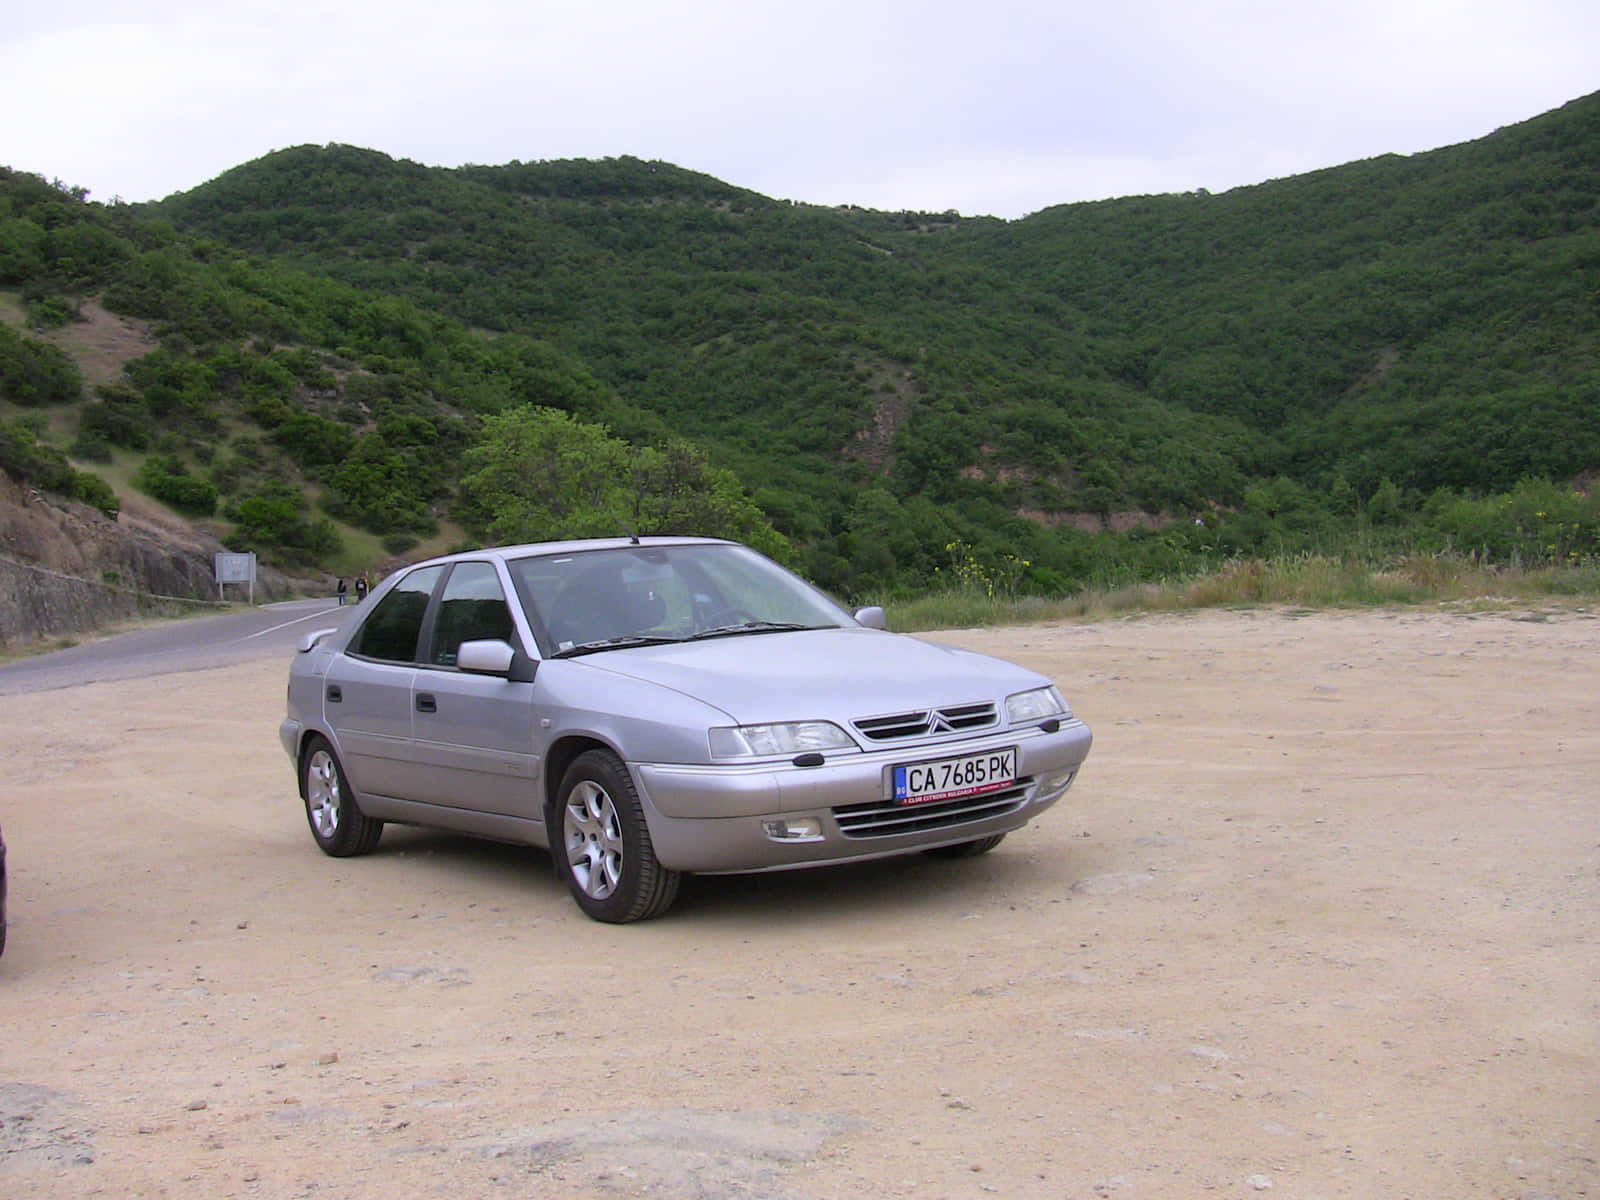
647 707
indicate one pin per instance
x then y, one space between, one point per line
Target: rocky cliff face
67 568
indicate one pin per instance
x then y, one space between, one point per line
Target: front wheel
337 823
605 853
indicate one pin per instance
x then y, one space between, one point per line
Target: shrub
91 489
275 519
119 417
22 454
164 477
36 373
91 447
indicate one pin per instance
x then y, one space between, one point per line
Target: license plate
950 778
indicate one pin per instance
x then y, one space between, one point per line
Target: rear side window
391 632
472 607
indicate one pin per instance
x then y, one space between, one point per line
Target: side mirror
872 618
491 656
488 657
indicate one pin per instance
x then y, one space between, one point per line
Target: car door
473 735
367 692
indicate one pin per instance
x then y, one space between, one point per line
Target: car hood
820 674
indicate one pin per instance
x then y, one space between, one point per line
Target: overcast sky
1004 107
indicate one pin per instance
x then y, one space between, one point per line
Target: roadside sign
237 568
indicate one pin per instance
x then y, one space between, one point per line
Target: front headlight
787 737
1037 705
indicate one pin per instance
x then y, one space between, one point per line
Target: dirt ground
1319 919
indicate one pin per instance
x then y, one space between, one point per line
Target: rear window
391 631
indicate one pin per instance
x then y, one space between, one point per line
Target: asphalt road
192 644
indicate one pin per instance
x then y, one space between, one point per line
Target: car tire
967 849
337 823
603 846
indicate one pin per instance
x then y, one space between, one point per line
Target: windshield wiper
751 627
615 643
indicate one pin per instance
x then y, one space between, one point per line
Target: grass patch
1309 581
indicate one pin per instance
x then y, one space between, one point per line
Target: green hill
1373 355
1430 320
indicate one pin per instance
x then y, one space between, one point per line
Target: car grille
960 718
885 818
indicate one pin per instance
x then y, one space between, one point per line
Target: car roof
574 546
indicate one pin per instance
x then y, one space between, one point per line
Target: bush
91 489
91 447
164 477
36 373
313 441
29 459
275 519
1537 523
51 312
119 417
22 454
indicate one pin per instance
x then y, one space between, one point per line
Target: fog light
1051 786
794 829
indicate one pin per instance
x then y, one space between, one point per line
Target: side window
391 631
471 608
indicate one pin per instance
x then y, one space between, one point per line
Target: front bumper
778 816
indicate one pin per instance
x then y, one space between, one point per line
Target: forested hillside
818 350
1401 353
1433 320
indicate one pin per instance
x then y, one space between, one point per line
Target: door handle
335 693
426 703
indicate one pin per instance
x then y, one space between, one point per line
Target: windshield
632 595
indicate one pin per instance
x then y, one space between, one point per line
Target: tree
539 474
676 490
379 488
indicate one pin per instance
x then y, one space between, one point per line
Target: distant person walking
342 589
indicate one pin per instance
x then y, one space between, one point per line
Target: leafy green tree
675 490
21 251
379 488
539 473
1386 505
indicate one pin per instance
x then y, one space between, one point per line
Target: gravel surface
1318 920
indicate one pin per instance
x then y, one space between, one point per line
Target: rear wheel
337 823
604 852
967 849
